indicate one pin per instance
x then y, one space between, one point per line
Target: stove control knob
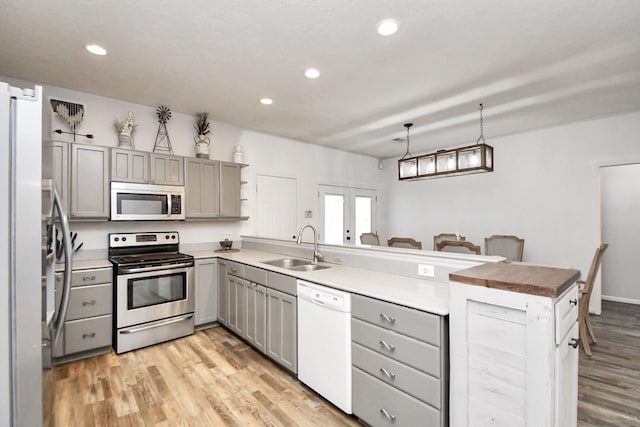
173 237
166 237
124 239
117 239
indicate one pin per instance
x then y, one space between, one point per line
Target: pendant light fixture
458 161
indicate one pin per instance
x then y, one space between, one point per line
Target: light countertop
86 264
424 295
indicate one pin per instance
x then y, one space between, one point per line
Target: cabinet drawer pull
389 347
390 417
92 302
91 335
388 374
85 278
387 318
574 342
573 301
235 270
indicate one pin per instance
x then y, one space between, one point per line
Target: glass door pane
362 217
334 215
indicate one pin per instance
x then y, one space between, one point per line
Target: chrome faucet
317 256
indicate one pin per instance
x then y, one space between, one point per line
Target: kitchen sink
288 262
309 267
296 264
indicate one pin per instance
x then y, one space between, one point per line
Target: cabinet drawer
91 277
379 404
87 334
422 356
407 321
411 381
88 301
255 275
282 283
566 312
235 269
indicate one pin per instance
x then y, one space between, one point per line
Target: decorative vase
202 146
238 154
125 140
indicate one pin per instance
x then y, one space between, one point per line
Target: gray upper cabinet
229 189
167 169
201 188
56 166
129 166
89 181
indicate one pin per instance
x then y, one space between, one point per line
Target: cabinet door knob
573 301
387 318
574 342
389 347
92 302
390 417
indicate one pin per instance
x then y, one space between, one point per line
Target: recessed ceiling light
312 73
96 50
266 101
387 27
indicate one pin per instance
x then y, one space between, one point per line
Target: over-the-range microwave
148 202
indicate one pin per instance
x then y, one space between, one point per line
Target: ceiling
532 63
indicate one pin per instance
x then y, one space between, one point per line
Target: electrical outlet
308 214
426 270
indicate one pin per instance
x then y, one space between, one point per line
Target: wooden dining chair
370 239
458 246
404 242
584 321
510 247
445 236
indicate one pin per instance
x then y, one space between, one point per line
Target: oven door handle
125 270
156 324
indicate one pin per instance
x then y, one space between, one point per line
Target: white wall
310 164
545 189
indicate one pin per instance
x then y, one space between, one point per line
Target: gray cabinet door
282 329
206 289
256 329
241 307
229 189
129 166
232 308
201 188
56 166
89 181
167 169
223 293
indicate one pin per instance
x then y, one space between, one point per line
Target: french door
346 213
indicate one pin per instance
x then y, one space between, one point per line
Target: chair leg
583 336
590 329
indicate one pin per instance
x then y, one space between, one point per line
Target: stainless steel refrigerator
29 320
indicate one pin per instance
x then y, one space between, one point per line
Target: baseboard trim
618 299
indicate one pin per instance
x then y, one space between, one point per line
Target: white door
277 201
346 213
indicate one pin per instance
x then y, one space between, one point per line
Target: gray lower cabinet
282 330
257 316
206 291
223 293
400 364
166 169
87 329
89 181
129 166
237 298
201 188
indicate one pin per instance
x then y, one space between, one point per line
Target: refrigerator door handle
66 287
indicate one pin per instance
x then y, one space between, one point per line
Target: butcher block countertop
527 279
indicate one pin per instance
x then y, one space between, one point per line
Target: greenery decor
202 124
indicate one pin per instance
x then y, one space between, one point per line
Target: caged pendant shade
457 161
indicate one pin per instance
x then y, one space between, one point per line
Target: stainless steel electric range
153 289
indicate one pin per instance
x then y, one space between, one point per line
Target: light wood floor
214 379
208 379
609 381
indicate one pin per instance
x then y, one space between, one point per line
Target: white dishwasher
324 342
